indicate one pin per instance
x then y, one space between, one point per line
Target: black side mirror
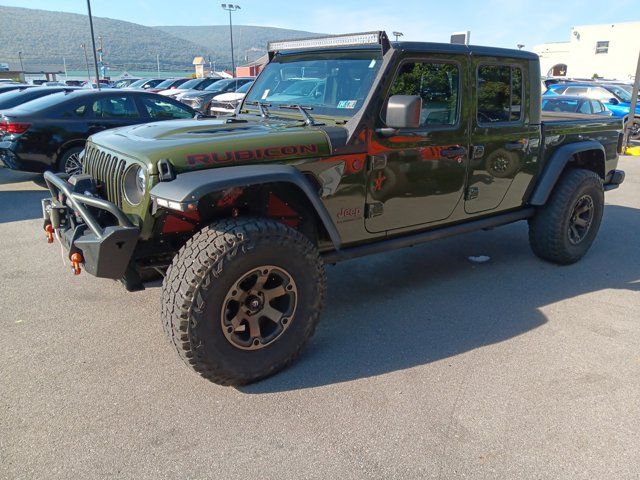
404 111
613 101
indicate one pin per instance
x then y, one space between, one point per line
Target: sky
491 22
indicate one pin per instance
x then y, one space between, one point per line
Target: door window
120 107
160 109
584 108
499 94
597 106
437 84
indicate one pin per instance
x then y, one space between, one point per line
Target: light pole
93 42
86 61
397 35
229 7
21 65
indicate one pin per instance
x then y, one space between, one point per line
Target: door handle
454 152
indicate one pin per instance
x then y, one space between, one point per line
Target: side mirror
403 111
613 101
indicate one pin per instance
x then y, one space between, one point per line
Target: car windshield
331 83
191 83
167 83
139 83
217 85
621 93
244 88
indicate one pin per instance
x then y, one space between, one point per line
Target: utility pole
64 62
158 62
86 61
93 43
21 65
631 119
231 8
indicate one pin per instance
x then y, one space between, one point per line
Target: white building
609 51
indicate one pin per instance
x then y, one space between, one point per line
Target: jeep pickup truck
344 146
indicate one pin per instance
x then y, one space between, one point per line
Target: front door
417 176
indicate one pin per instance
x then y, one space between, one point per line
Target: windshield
332 83
169 82
191 83
138 83
622 94
244 88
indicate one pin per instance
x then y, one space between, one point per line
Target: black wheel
563 230
634 132
70 161
241 299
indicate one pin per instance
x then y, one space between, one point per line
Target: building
252 69
608 51
198 63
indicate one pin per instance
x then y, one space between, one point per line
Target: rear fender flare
192 186
556 165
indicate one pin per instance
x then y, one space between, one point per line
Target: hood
229 97
200 144
195 93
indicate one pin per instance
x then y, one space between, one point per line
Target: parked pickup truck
344 146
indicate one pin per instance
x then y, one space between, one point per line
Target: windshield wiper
308 119
264 113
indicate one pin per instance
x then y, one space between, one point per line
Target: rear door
417 176
503 143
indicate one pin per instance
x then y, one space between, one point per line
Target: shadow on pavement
415 306
20 205
8 176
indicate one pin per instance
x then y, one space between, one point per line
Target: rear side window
499 94
437 84
584 108
576 91
115 107
75 110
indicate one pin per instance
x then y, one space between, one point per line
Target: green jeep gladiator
344 146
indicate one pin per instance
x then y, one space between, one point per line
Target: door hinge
377 162
374 209
471 194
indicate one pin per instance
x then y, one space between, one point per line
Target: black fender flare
555 166
192 186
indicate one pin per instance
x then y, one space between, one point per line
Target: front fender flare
555 166
192 186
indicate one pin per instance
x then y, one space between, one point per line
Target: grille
107 169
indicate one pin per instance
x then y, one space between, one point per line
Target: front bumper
78 218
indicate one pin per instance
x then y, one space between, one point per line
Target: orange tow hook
48 230
76 260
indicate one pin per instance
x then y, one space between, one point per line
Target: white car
226 103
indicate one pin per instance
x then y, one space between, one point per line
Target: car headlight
134 184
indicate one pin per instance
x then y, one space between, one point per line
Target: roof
198 61
463 49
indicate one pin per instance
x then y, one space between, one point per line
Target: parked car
169 84
574 104
50 132
226 103
194 84
146 83
615 97
124 82
17 97
74 83
199 100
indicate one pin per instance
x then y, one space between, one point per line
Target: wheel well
589 160
284 202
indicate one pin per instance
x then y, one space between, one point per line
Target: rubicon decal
249 155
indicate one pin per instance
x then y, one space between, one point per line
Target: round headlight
134 184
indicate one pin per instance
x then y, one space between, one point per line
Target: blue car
616 98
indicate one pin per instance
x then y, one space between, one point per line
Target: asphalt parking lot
425 365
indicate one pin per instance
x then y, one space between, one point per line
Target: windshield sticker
265 94
373 63
350 104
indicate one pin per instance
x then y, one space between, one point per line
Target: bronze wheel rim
259 307
581 219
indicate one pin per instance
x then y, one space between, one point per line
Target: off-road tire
549 235
202 274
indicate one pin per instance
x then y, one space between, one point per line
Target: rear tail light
14 127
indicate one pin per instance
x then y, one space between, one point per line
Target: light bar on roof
368 38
